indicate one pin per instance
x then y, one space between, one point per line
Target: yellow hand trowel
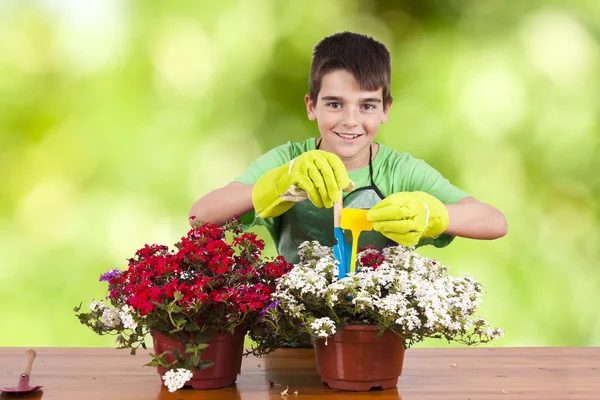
355 220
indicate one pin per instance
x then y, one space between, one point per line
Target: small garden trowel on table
23 384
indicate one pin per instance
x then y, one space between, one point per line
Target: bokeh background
115 116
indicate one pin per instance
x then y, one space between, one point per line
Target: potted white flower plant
396 298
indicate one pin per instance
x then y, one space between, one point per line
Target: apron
304 221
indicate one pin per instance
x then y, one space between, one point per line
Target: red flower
372 259
217 277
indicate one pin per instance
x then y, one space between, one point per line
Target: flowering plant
214 282
393 288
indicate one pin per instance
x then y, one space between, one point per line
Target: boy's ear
386 111
310 107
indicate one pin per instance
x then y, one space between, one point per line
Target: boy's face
348 117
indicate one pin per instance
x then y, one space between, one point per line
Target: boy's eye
334 105
369 106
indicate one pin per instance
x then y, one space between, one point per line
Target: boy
292 188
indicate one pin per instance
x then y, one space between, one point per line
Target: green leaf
195 360
192 326
84 317
175 309
180 321
203 364
190 348
152 363
202 337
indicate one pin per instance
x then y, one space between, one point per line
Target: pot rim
360 327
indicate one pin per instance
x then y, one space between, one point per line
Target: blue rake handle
339 250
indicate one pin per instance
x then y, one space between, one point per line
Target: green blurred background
115 116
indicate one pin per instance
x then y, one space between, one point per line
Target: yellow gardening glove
405 217
317 175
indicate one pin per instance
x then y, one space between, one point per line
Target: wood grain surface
457 373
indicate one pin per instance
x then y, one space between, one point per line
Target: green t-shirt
393 172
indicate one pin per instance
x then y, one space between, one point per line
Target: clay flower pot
224 350
355 360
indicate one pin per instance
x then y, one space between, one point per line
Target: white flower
318 251
96 305
110 316
175 379
186 275
323 327
363 301
127 318
412 295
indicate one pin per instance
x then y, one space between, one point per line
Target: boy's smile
348 117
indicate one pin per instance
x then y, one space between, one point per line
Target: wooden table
465 373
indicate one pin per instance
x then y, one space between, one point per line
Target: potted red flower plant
196 301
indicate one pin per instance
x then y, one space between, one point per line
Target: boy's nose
350 119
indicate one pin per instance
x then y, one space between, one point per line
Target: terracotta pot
224 350
354 359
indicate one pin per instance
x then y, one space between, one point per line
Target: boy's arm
223 204
407 217
428 209
471 218
235 199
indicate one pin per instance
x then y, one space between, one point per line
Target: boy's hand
317 175
405 217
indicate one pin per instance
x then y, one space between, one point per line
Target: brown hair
364 57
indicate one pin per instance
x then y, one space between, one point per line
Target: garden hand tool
356 221
23 384
316 175
405 217
339 250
